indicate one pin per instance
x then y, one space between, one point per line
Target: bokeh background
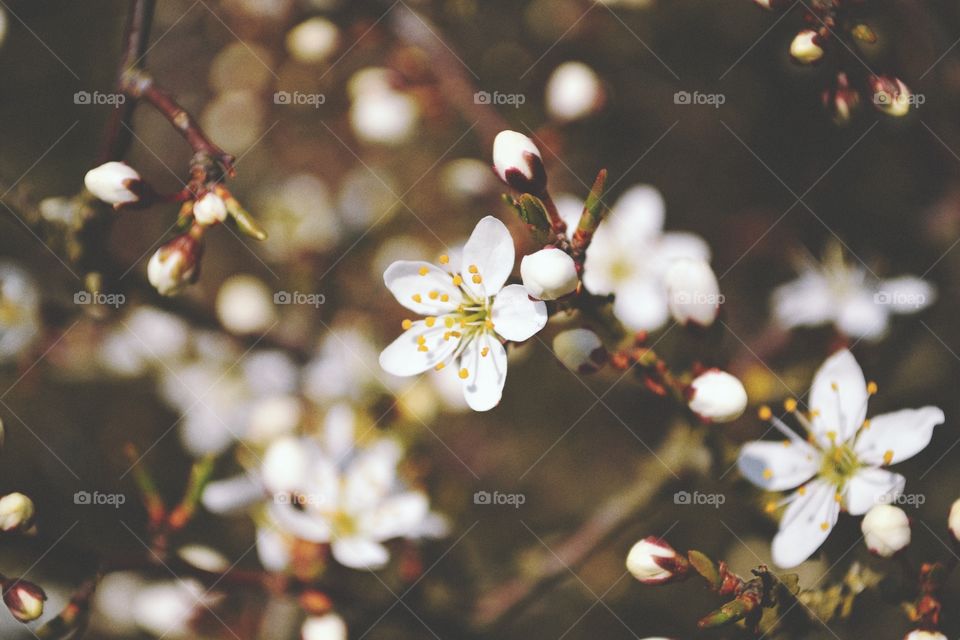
762 177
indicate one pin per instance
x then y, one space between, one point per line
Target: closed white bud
23 599
953 520
313 40
549 274
329 626
717 396
517 161
693 292
891 96
209 209
806 48
573 91
16 512
653 561
920 634
580 350
175 265
886 530
114 182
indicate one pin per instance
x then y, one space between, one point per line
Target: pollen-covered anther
484 352
764 412
406 324
832 436
802 491
473 269
457 280
424 271
430 321
488 324
838 497
444 259
440 366
824 526
872 388
476 279
770 507
866 424
448 322
417 297
790 405
767 474
888 456
444 297
464 374
433 295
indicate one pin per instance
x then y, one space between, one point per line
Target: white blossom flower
886 529
573 91
842 463
380 114
313 40
847 296
549 274
113 182
19 311
693 292
245 305
329 626
469 314
175 265
717 396
920 634
630 255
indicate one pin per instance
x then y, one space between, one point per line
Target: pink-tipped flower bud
16 512
549 274
693 292
23 599
891 96
580 350
717 396
807 47
886 530
209 209
115 183
175 264
517 161
653 561
841 101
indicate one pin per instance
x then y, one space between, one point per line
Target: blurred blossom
313 40
365 198
274 10
573 91
848 296
166 609
58 210
326 627
113 610
467 178
245 305
345 366
237 118
144 338
630 255
19 311
298 215
241 66
379 114
273 417
204 558
397 248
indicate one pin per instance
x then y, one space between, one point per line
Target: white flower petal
358 553
777 466
408 278
804 302
272 549
838 398
396 517
489 249
338 431
371 476
902 433
638 213
485 360
641 304
677 245
404 357
859 315
869 487
806 524
302 524
515 316
232 494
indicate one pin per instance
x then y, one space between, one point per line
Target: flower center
839 464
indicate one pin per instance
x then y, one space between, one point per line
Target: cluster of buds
652 561
835 30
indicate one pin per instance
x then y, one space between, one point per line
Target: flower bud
116 183
175 264
326 627
517 161
653 561
549 274
693 292
573 91
840 100
717 396
313 41
886 530
23 599
953 520
16 512
806 48
891 95
920 634
209 209
580 350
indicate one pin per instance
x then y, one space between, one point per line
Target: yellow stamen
488 323
888 456
430 321
838 497
824 526
802 491
767 474
424 271
872 387
484 352
433 295
477 279
457 280
832 436
421 340
444 298
765 413
464 374
406 324
422 347
770 507
444 259
473 269
866 424
417 297
439 366
790 404
448 322
834 386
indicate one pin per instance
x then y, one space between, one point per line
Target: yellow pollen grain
765 413
767 474
444 259
476 279
417 297
406 324
448 322
824 526
439 366
802 491
484 352
888 456
786 443
790 405
430 321
866 424
834 386
473 269
815 413
872 387
423 271
457 280
421 340
463 374
423 348
433 295
444 298
770 507
488 323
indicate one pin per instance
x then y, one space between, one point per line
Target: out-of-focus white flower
313 40
237 117
574 91
175 265
242 65
273 417
245 305
145 337
518 162
166 609
549 274
805 47
345 365
653 561
842 463
19 311
16 512
920 634
847 296
58 210
210 209
953 520
379 113
717 396
630 254
329 626
365 199
886 530
693 292
469 313
466 178
115 183
580 350
204 558
298 215
113 600
891 95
